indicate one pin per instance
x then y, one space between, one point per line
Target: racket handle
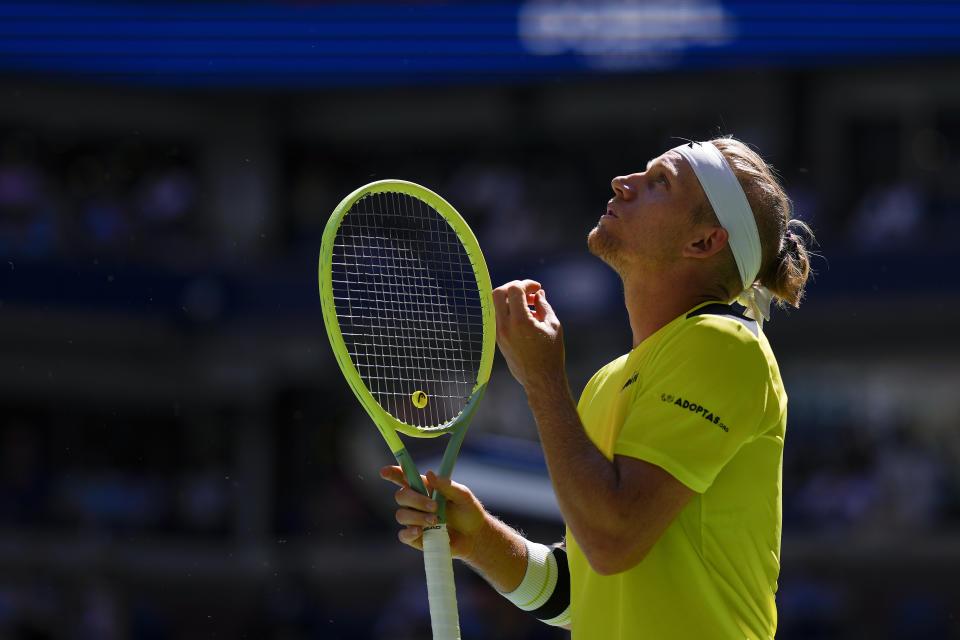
440 588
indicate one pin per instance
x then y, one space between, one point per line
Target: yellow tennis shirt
703 399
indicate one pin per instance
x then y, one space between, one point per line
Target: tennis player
668 470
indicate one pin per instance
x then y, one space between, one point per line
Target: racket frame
387 424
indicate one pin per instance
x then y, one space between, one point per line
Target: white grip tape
440 588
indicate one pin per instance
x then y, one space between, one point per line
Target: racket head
407 305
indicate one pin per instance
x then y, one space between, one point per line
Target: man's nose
621 187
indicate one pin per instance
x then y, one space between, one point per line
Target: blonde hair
785 261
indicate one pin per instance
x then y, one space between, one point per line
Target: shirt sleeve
701 398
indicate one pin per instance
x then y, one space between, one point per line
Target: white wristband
538 591
539 580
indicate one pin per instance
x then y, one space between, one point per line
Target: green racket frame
386 423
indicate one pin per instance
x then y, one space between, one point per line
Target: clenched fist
529 334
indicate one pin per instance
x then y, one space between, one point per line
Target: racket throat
412 475
410 470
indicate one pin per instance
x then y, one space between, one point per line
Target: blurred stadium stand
180 455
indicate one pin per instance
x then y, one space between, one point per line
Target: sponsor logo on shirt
693 407
629 382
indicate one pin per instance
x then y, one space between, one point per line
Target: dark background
179 454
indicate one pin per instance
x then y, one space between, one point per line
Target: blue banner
321 44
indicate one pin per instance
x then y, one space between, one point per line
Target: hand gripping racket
407 305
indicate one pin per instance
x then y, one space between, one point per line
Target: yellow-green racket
407 305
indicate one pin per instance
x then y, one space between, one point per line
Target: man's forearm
584 480
499 556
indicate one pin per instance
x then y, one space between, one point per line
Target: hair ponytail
787 274
785 261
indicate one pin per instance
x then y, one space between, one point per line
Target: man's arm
618 509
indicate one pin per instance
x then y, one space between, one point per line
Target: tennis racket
407 306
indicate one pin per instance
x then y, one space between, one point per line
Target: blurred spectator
165 197
911 481
119 197
103 499
27 221
888 217
203 501
841 495
494 199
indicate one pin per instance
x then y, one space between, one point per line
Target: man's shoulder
714 326
716 336
724 318
599 379
608 369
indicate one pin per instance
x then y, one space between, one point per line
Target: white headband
729 202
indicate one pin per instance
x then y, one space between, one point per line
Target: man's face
649 216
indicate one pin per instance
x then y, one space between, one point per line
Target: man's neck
652 303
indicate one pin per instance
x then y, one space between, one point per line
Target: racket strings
450 247
408 306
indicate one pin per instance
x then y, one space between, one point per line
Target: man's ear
707 242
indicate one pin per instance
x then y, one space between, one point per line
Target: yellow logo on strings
419 399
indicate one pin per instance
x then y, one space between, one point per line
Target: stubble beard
605 247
